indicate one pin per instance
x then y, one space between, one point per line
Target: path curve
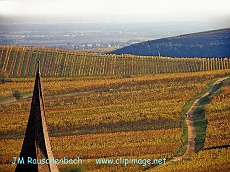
190 123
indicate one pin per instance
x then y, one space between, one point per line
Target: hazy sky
114 10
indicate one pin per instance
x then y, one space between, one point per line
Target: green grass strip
199 122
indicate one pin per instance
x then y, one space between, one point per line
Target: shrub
17 94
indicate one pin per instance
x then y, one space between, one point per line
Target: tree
17 94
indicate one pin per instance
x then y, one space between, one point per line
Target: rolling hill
215 43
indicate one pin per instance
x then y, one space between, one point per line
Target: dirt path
189 120
12 100
190 123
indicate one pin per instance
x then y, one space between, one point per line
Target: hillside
21 62
138 118
214 43
118 108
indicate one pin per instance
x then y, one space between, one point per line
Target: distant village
69 40
94 45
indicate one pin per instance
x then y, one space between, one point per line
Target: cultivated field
21 62
130 110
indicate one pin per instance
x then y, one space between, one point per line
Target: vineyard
112 106
21 62
105 117
217 113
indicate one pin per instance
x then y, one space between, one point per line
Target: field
215 156
21 62
95 112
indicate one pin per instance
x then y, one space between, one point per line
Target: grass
13 98
200 124
199 121
6 99
184 140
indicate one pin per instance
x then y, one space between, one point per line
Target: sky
113 10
